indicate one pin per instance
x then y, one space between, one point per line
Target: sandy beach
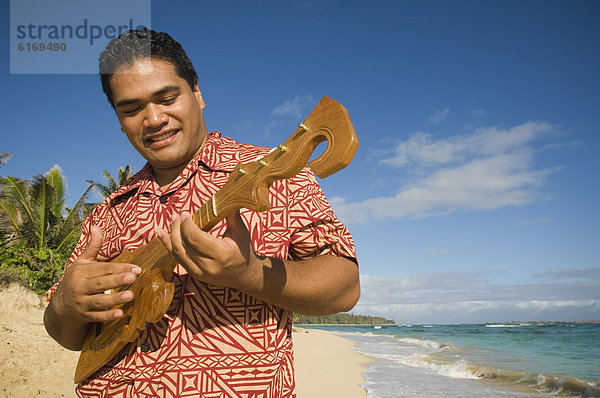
33 365
326 365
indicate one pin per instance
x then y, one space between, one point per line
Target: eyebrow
157 93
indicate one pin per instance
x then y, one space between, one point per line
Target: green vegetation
112 184
343 319
37 269
34 212
37 230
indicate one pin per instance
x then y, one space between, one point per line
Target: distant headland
341 319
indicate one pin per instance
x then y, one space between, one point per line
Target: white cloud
297 107
559 273
386 289
477 113
439 116
287 115
464 297
424 150
563 145
539 305
488 169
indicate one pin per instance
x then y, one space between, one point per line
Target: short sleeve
316 229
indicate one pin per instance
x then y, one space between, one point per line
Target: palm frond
57 180
102 189
125 174
112 183
68 230
15 190
8 211
42 194
5 157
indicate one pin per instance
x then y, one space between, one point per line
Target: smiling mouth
163 136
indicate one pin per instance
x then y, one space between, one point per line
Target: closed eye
168 100
131 111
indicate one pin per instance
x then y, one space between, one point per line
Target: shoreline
435 362
34 365
327 366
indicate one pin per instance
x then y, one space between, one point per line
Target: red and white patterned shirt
213 341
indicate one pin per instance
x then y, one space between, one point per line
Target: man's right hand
80 298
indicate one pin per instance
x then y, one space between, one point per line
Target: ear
198 95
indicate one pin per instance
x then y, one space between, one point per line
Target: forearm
316 286
319 285
67 331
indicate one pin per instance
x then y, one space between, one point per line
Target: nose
154 116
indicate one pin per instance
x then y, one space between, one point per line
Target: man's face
160 114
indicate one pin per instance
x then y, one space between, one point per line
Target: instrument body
247 187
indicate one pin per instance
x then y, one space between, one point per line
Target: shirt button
145 347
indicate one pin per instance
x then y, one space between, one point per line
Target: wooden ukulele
247 187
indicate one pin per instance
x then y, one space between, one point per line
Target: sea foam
540 383
543 383
502 361
459 369
421 342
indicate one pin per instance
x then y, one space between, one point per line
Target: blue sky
473 196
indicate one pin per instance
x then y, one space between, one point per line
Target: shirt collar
219 153
210 158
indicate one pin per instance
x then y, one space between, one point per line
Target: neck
164 177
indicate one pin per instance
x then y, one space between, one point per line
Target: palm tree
34 212
5 157
112 184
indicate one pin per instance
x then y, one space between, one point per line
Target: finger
165 238
175 237
175 223
102 283
98 269
104 316
99 306
104 302
186 240
90 253
193 238
238 233
176 243
198 243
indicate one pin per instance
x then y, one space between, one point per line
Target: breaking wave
548 383
542 383
422 343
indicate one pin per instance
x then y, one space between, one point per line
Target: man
228 329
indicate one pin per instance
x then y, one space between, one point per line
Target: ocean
487 360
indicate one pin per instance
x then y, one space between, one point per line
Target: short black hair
138 44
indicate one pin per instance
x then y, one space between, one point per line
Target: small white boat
377 327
